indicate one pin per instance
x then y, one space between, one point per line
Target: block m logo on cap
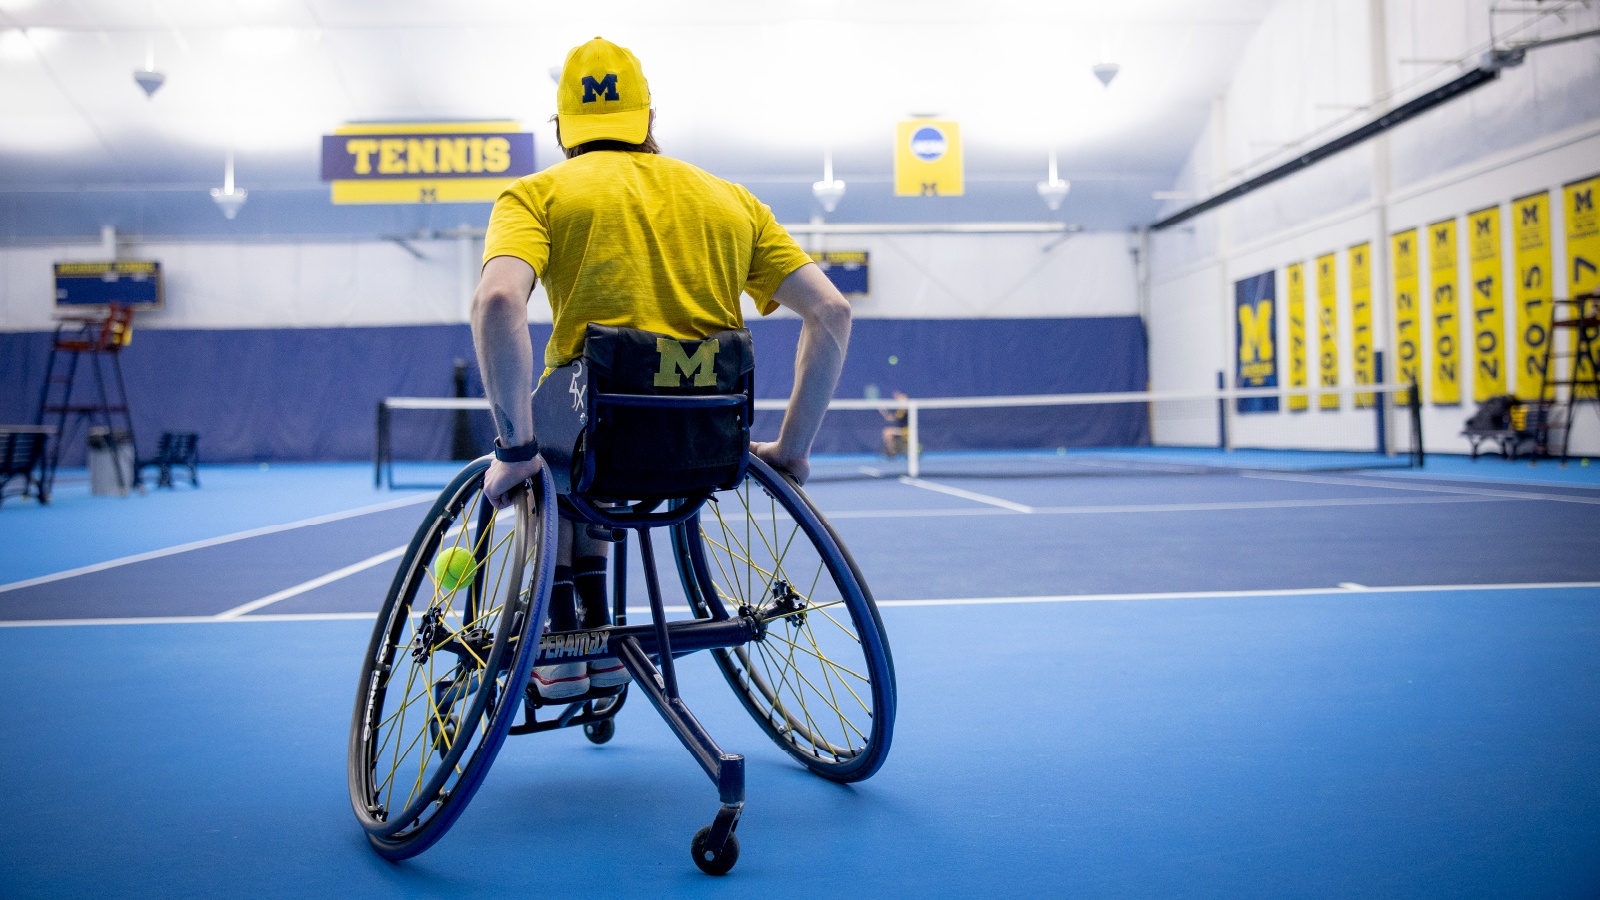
700 368
604 89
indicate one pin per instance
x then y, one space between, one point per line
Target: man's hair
647 146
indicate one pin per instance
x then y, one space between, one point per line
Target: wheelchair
643 433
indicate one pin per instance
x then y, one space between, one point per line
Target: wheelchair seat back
645 416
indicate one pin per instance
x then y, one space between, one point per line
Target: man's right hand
797 467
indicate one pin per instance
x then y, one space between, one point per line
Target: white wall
322 284
1536 128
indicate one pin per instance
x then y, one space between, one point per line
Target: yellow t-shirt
641 241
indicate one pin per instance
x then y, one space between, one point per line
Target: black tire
601 731
714 863
463 653
826 695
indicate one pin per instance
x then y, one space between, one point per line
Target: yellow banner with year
1328 328
1446 314
1297 336
1488 311
1530 238
1407 322
1364 364
1583 267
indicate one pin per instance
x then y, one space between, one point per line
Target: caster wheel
601 731
714 863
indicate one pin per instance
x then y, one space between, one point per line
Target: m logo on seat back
605 88
700 368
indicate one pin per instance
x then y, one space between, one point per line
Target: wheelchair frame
649 651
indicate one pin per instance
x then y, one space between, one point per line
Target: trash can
110 462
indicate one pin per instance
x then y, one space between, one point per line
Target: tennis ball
453 568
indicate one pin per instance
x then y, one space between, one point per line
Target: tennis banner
1255 332
1297 335
1446 314
425 162
927 159
1328 328
847 269
1488 313
1407 329
1530 238
1365 364
1583 262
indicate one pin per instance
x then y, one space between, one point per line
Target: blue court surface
1263 684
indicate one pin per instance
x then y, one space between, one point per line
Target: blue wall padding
974 358
311 393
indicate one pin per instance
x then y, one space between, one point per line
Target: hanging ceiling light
1105 72
1053 191
228 198
828 191
148 79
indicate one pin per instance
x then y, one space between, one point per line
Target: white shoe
561 680
604 673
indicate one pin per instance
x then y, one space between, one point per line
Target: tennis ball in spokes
453 568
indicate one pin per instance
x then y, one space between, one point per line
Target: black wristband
517 454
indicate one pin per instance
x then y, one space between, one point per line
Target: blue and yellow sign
415 162
927 159
847 269
1256 328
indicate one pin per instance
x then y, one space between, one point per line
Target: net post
913 442
1381 401
379 443
1222 413
1417 456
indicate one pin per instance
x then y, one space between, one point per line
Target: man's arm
824 335
505 357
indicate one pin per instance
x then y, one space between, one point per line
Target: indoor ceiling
754 91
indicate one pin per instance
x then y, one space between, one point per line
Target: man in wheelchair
626 238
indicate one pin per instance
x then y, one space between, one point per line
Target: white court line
212 542
965 495
1156 507
313 584
1439 489
963 601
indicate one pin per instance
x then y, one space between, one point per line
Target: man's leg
561 680
589 580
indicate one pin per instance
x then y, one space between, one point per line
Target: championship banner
1366 365
1530 238
1583 264
1446 313
927 159
413 162
1328 329
1488 315
1407 324
1297 336
1255 333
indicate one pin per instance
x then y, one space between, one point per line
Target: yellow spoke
802 676
820 658
777 699
799 696
827 678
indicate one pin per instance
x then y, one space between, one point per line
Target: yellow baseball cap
602 95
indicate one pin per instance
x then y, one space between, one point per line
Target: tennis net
1134 433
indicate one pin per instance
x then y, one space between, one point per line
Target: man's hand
799 467
503 478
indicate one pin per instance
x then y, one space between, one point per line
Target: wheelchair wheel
444 672
820 679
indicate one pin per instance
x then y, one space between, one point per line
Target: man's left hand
503 478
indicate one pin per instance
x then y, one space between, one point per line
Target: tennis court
1266 684
1199 404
